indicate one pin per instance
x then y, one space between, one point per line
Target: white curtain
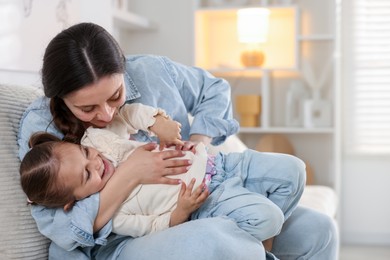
367 125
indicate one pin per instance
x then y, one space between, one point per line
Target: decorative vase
295 97
317 113
249 108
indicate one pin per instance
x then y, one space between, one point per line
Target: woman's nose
106 113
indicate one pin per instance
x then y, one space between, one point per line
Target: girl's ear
68 206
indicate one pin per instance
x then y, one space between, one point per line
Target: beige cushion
19 237
321 198
232 144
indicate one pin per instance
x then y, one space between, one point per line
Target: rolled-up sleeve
207 99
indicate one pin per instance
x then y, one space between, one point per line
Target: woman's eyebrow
84 106
117 90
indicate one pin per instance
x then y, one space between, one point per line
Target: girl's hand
188 201
148 167
167 131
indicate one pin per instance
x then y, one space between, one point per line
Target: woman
80 91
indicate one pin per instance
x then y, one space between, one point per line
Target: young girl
75 172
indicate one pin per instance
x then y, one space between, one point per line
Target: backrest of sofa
19 237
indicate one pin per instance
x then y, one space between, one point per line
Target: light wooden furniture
302 51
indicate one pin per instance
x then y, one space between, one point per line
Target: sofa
20 238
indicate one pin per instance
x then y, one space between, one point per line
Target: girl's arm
127 223
141 167
136 225
136 116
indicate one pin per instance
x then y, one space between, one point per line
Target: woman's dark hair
39 173
74 58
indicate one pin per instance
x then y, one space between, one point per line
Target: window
368 96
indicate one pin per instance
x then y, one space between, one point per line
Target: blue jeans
306 234
255 191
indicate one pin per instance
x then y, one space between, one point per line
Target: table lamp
252 28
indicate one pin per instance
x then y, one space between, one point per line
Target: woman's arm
207 99
141 167
194 139
182 90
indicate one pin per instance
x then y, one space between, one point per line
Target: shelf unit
313 43
119 17
125 19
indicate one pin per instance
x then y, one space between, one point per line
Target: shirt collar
131 90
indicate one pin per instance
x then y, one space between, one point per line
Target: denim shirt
182 90
178 89
151 80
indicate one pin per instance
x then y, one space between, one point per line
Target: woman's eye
115 97
87 109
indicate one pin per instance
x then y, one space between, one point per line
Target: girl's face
97 103
83 169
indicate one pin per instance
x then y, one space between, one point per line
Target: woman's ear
68 206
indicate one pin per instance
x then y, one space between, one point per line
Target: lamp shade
252 25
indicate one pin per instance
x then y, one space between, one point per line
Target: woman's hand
188 201
142 167
148 167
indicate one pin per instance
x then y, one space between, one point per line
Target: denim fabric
307 234
174 87
181 90
255 190
178 90
79 239
202 239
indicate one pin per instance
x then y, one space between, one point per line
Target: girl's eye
86 150
88 174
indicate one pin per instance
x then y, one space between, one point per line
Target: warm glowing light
252 25
252 28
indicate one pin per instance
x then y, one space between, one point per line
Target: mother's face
97 103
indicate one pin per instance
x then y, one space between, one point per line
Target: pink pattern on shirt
210 169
